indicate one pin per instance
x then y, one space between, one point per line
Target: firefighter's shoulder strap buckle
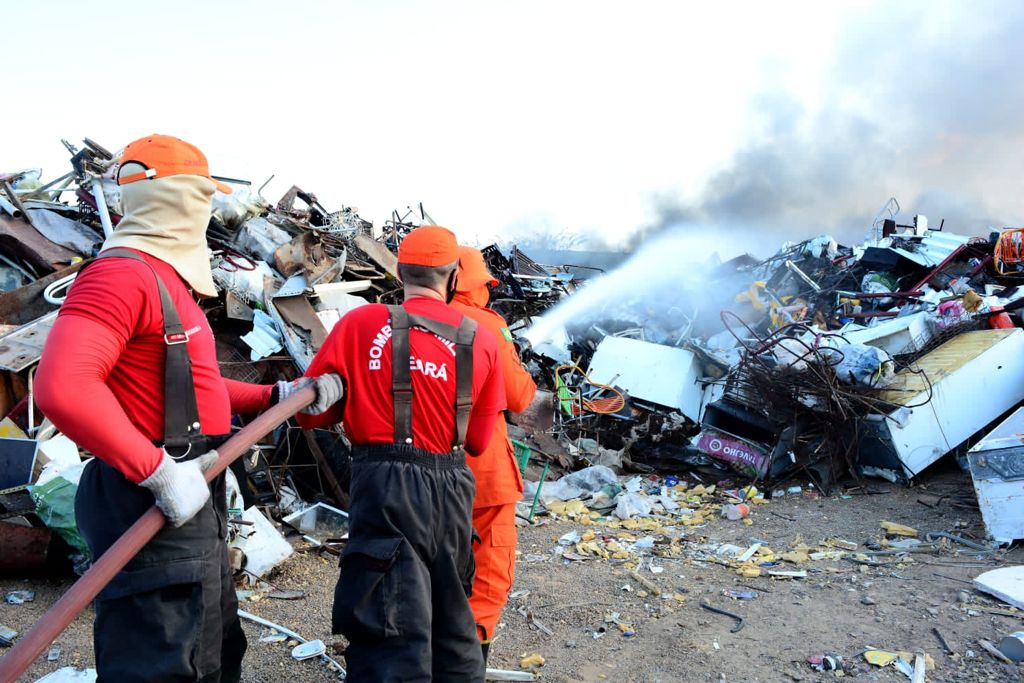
176 338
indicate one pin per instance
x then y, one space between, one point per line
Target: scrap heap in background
287 272
821 361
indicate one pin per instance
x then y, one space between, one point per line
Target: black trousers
407 570
171 615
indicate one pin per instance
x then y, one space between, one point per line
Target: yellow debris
898 529
567 508
531 661
840 543
795 556
834 555
887 657
588 536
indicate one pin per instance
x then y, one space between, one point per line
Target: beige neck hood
167 218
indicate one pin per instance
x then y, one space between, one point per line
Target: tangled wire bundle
820 417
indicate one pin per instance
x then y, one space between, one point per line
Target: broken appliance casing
736 435
655 373
997 469
972 379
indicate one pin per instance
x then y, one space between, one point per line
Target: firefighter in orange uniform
498 481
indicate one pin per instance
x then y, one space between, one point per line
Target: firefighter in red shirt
422 387
498 481
130 373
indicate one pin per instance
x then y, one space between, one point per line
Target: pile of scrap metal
287 272
823 360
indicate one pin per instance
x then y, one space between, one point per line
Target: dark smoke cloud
922 102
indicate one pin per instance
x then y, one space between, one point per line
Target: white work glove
179 487
329 390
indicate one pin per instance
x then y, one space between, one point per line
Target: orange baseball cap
162 156
429 245
473 271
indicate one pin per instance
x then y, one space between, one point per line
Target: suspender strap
463 378
401 381
181 413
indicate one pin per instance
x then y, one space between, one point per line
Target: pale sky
497 116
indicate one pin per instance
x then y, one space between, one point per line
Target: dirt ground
841 608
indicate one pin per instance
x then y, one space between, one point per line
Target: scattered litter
308 650
897 529
823 662
7 636
287 594
994 651
69 674
1012 646
1006 583
739 620
19 597
331 663
507 675
739 595
262 545
531 661
273 636
735 512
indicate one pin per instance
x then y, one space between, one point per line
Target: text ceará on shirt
428 368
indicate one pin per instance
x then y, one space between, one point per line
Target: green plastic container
522 452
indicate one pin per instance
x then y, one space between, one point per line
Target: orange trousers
495 564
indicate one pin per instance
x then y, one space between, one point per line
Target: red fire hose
57 618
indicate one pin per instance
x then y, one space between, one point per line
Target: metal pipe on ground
32 644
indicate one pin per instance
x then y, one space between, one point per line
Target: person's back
422 388
360 347
130 373
498 481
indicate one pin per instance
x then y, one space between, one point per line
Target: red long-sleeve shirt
101 376
359 350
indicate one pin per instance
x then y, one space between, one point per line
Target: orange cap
429 245
473 271
162 156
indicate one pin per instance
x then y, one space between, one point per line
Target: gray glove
329 390
179 487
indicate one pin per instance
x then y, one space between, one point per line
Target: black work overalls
407 570
171 614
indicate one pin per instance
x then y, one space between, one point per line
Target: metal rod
20 269
8 207
536 496
937 269
82 592
739 620
46 189
288 632
793 268
942 639
101 207
881 295
16 202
